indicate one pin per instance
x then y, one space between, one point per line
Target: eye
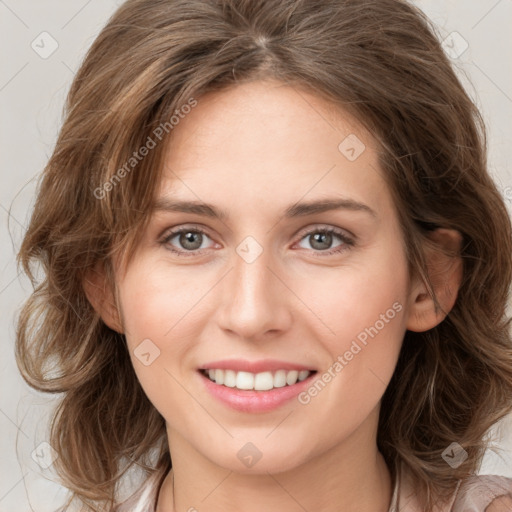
321 240
190 240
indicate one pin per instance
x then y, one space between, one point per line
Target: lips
258 386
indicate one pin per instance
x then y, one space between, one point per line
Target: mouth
261 381
255 386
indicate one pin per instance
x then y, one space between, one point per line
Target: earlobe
101 297
444 265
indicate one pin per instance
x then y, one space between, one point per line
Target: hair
378 60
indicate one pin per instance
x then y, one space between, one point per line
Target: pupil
323 238
188 238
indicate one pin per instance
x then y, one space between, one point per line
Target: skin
254 150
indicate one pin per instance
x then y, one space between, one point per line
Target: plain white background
32 92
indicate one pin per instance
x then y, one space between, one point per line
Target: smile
263 381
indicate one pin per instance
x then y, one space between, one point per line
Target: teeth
291 377
244 380
263 381
303 375
230 378
258 381
279 379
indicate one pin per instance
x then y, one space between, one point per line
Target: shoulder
501 504
484 493
479 493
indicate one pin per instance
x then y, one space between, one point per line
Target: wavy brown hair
378 60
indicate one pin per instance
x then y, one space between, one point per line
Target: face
308 305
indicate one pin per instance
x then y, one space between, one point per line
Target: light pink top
474 495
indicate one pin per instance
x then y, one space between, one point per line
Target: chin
259 458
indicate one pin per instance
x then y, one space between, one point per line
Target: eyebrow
295 210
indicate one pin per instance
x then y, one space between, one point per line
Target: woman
273 255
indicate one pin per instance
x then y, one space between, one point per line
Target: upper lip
263 365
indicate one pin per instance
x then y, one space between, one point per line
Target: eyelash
346 245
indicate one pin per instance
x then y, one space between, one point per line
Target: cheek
352 301
158 301
157 305
364 308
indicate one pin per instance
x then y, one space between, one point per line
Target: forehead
263 143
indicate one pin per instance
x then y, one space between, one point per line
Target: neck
234 492
352 477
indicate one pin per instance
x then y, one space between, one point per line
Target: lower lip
255 401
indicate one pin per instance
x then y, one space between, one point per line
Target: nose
255 300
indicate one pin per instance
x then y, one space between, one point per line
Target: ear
101 297
444 266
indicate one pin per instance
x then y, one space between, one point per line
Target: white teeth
219 376
303 375
280 379
262 381
291 377
245 380
230 378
